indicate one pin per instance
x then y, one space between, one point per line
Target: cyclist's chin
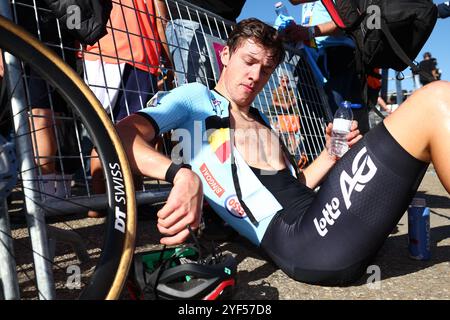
245 99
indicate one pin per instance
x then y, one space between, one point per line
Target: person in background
443 9
335 53
286 107
283 96
187 41
122 68
429 66
383 105
46 104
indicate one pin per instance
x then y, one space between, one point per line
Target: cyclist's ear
225 55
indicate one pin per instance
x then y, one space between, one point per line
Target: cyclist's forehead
252 49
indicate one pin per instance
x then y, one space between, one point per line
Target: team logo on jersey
211 181
234 207
363 170
219 137
219 141
216 106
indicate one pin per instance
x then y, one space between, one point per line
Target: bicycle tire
111 271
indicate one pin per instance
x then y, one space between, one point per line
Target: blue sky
438 43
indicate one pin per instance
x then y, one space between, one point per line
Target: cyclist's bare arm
184 203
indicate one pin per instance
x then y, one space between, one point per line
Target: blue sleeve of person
174 108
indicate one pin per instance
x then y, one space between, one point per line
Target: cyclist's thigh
356 208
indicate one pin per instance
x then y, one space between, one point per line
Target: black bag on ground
94 15
387 33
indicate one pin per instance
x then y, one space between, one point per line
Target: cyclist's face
247 70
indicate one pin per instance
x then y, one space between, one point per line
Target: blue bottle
419 230
283 19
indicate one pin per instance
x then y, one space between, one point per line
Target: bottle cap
418 202
346 104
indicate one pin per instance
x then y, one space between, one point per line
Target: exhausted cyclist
248 177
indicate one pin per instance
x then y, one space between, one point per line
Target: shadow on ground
393 260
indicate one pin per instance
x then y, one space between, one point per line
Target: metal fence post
8 274
35 214
398 87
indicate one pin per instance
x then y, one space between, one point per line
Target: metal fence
149 41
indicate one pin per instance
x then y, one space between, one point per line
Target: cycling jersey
201 117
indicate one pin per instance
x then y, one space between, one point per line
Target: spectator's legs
422 127
138 87
44 141
104 80
189 53
98 183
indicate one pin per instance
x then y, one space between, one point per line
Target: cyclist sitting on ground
245 174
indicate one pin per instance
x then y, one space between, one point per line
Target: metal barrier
147 44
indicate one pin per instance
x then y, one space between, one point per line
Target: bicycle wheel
109 242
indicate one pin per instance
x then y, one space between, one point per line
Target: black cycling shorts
362 199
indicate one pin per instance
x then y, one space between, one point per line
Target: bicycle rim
112 264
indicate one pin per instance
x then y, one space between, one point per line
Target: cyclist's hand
354 135
352 138
295 33
183 207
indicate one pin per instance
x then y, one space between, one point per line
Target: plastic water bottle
283 19
342 124
419 230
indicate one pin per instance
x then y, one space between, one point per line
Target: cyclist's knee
437 94
337 277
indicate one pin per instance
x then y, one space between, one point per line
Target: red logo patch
234 207
211 181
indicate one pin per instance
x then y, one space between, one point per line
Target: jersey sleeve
172 109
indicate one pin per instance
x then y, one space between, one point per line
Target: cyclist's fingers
353 140
173 218
170 206
176 239
179 225
352 135
329 127
178 220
